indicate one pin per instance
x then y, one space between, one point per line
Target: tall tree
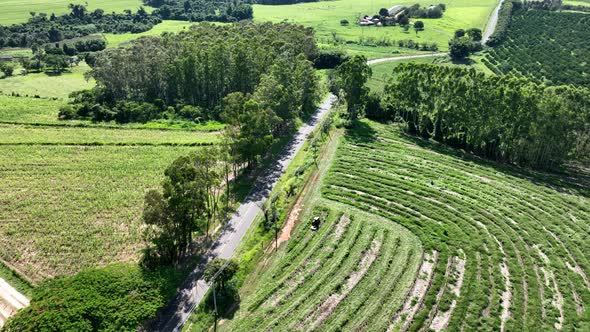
352 77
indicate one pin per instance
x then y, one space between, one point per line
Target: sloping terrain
502 248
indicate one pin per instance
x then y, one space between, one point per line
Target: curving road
406 57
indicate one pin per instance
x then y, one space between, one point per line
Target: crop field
325 16
507 249
500 248
69 207
48 85
51 135
72 193
550 47
327 279
18 11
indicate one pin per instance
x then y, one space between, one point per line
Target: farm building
6 57
395 9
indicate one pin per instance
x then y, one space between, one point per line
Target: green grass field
325 16
29 110
382 71
48 85
17 11
116 40
51 135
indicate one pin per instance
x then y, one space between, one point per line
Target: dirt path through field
11 300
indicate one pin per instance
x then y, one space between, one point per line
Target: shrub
7 68
329 58
119 297
344 22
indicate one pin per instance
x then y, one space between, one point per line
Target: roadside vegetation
119 297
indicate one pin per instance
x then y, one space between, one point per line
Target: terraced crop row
337 278
510 249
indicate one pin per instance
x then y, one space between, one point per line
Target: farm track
10 301
522 234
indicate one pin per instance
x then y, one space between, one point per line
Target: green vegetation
79 22
522 235
152 80
382 71
15 280
325 18
329 279
71 207
261 234
116 40
505 119
18 11
66 135
44 112
119 297
550 47
201 10
29 110
48 85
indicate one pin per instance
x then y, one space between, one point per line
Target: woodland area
42 29
502 118
188 75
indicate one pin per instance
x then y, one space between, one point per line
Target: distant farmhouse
399 14
395 10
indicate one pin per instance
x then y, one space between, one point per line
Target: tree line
502 118
188 75
201 10
42 29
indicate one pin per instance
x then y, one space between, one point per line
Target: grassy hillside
512 245
18 11
503 248
325 16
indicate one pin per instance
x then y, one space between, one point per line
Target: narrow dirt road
11 300
491 27
406 57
